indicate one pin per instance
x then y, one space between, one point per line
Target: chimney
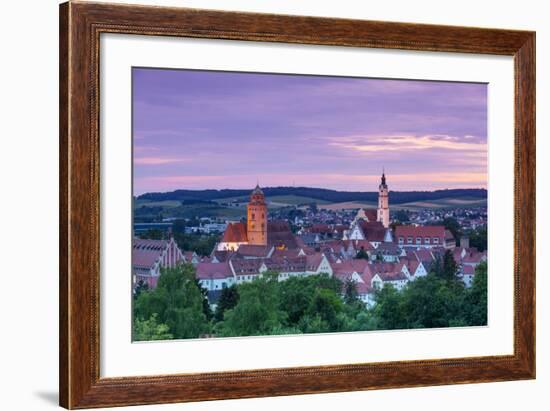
465 242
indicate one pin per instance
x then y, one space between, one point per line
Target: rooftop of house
213 271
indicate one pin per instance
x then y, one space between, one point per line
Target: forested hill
333 196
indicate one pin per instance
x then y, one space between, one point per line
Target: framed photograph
259 205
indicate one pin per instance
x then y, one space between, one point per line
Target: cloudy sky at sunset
203 129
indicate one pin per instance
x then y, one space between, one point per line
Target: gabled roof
285 253
235 233
313 261
253 250
420 231
412 264
422 254
373 230
145 258
149 245
146 253
214 271
388 271
279 234
287 265
388 249
242 266
222 255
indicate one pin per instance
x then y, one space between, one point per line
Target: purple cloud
204 129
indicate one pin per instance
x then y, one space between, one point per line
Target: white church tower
383 203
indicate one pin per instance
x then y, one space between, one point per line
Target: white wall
28 170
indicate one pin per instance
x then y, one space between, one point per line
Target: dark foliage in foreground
314 304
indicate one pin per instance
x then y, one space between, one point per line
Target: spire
383 177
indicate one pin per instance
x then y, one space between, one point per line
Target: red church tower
256 223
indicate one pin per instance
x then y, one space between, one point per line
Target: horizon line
307 187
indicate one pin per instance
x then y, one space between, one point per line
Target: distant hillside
319 194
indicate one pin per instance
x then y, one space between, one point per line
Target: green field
164 204
175 209
442 203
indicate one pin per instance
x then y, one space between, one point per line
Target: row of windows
427 240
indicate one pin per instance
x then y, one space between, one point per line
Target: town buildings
149 256
365 250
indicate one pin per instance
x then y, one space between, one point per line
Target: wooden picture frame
80 27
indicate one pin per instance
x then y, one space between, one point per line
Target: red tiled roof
285 253
349 266
472 256
412 264
242 266
313 261
388 271
468 270
235 233
216 271
222 255
145 258
420 231
146 253
373 230
371 213
279 234
146 244
253 250
320 228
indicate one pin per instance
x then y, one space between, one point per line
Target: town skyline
224 130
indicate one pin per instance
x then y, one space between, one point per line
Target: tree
141 286
350 292
177 301
402 216
152 234
150 330
432 302
453 226
256 312
389 308
478 238
362 254
229 298
323 311
449 268
205 304
476 300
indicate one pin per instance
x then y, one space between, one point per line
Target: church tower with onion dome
256 222
383 203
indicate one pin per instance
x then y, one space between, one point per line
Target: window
436 240
253 216
418 240
401 240
427 240
409 240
